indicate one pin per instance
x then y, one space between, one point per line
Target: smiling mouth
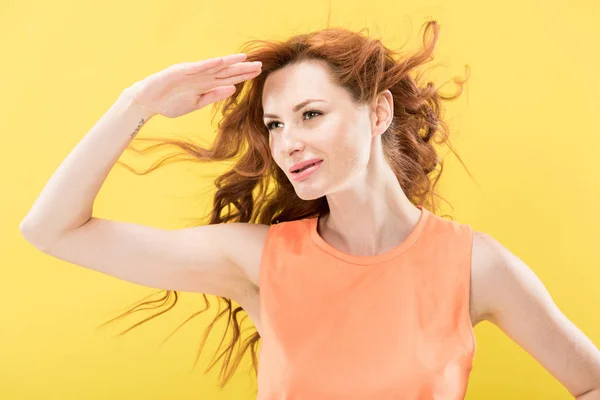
306 172
305 167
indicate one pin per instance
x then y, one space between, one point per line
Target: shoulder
485 252
248 241
498 277
486 257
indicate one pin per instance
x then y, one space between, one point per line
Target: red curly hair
256 190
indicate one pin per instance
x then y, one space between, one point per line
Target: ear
382 112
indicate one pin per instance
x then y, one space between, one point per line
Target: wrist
127 103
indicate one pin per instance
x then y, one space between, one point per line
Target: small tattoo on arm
140 124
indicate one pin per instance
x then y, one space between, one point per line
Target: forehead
297 82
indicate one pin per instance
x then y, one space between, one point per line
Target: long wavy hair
256 190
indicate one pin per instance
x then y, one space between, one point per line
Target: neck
370 217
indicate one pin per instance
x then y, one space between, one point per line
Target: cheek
271 146
275 146
275 156
351 154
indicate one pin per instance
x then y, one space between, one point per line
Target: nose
290 142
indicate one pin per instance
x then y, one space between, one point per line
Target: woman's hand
190 86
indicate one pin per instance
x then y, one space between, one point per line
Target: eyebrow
296 108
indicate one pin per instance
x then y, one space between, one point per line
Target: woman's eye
270 124
312 111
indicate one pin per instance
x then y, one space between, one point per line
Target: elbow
592 394
33 234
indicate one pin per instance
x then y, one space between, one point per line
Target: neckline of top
378 258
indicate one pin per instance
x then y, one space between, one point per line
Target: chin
308 193
308 198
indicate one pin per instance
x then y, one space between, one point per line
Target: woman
364 292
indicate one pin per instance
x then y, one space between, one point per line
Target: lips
299 167
306 172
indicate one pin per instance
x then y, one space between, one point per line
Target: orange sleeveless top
391 326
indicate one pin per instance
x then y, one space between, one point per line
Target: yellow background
527 127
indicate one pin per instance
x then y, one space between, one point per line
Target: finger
232 80
238 69
214 95
214 64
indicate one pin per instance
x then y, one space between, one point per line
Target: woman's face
331 128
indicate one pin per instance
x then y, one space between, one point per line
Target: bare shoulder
496 275
246 247
485 250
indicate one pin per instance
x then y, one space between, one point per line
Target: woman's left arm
506 292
